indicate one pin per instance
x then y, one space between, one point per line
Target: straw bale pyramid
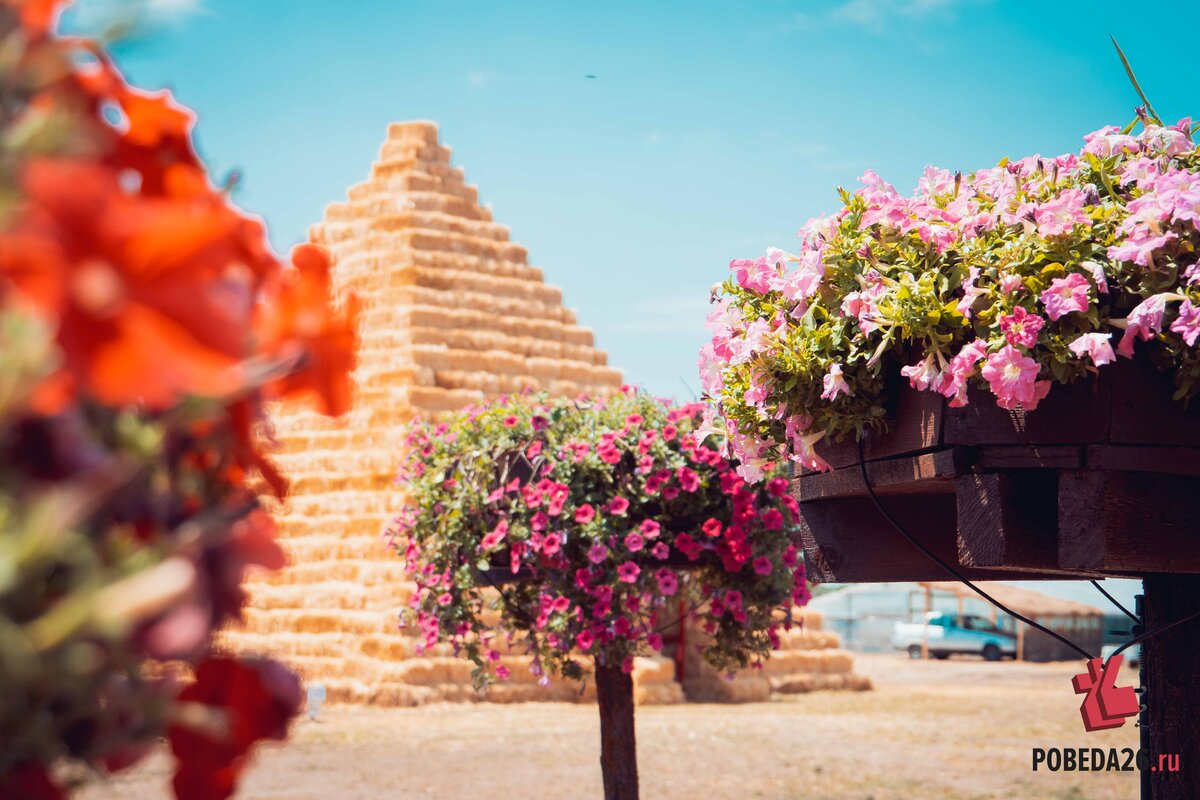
452 313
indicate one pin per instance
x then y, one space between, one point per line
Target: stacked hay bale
808 659
452 313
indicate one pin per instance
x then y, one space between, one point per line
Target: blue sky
710 131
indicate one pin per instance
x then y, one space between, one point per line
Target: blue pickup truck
951 633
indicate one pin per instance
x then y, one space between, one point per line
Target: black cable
862 465
1113 600
1148 634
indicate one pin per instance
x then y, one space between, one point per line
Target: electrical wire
1148 634
1113 600
862 465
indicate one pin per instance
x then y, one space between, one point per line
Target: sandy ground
930 730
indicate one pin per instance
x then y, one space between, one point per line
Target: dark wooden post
618 747
1172 668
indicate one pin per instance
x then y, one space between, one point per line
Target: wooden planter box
1102 479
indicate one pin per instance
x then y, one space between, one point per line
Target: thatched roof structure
1024 601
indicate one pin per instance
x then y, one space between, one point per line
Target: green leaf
1133 79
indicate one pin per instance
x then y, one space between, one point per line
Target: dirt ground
930 730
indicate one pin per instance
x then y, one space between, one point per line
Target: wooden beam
1008 521
1032 456
846 540
915 424
1143 411
1128 522
1173 460
1075 414
928 473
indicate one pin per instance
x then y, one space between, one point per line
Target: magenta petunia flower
585 514
1021 328
628 572
597 553
660 551
650 528
763 565
1066 295
711 527
689 481
634 542
667 582
552 544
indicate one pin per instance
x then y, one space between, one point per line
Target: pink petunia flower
1011 377
1021 328
772 519
1061 214
502 672
496 536
634 542
618 506
660 551
922 375
628 572
1095 346
1143 322
834 383
953 381
1187 324
650 529
585 514
711 527
1140 249
552 544
1066 295
585 640
511 421
597 553
763 565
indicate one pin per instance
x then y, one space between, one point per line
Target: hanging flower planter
1016 346
1016 349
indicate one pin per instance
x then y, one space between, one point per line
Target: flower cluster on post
1013 278
143 325
590 525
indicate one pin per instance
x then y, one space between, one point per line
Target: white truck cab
953 633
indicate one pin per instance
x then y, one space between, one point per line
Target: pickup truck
950 633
